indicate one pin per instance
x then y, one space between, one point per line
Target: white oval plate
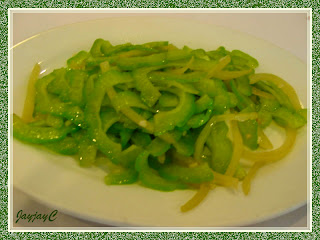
59 182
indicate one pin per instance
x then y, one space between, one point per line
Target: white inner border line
158 10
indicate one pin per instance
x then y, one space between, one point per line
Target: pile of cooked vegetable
165 117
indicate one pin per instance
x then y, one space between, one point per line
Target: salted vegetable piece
67 146
78 61
166 121
185 145
285 117
203 103
150 177
32 134
210 87
249 128
53 121
128 99
158 147
267 107
121 176
141 139
249 133
76 80
128 156
199 119
57 84
100 47
149 93
264 118
243 101
168 100
243 86
243 59
46 103
218 54
198 174
87 150
221 147
140 62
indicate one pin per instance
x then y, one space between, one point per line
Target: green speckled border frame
6 4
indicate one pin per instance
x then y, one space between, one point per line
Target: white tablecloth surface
273 27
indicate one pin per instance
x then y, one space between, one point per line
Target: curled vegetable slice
197 198
202 138
264 141
246 184
274 155
166 121
282 84
272 88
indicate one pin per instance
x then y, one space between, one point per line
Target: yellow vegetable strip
197 198
130 113
137 118
185 68
131 53
202 138
111 93
274 155
227 75
246 184
261 93
237 149
224 61
27 114
167 137
263 140
282 84
170 47
182 160
104 66
224 180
